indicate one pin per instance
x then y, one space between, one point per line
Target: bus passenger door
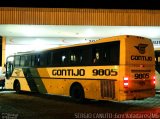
9 69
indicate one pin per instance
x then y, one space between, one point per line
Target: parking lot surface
37 106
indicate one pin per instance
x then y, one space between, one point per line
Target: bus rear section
138 64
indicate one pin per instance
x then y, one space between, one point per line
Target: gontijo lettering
81 72
143 58
68 72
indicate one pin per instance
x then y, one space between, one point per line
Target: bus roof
108 39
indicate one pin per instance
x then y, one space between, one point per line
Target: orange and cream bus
117 68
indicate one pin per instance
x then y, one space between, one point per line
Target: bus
117 68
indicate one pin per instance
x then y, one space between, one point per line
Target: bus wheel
77 93
17 87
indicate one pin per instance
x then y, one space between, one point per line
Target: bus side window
73 59
37 58
64 60
76 57
86 56
111 53
28 60
43 59
49 58
106 56
57 58
33 60
17 61
96 58
65 57
22 61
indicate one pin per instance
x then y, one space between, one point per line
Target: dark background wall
108 4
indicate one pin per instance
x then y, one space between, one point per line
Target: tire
77 93
17 87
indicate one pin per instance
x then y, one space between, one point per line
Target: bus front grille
108 88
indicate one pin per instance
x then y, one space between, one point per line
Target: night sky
106 4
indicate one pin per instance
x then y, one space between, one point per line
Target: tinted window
28 60
17 61
106 54
22 61
58 58
80 56
96 54
32 60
